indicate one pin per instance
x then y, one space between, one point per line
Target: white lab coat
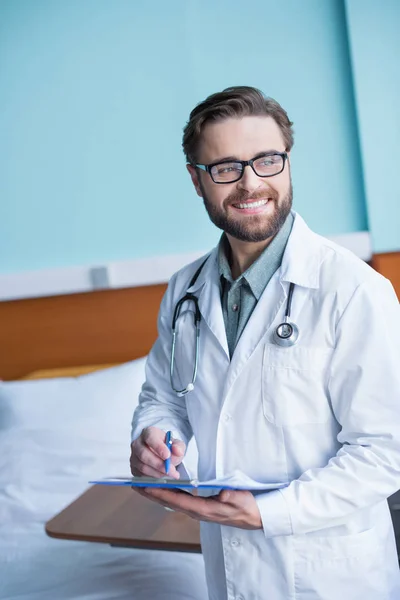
323 415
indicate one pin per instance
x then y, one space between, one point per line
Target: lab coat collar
301 261
302 258
300 265
209 272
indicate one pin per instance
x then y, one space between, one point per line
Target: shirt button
226 417
235 543
235 307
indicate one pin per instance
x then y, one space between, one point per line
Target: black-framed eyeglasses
229 171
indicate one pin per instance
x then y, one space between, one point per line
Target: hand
231 507
149 451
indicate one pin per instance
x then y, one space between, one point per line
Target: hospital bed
72 368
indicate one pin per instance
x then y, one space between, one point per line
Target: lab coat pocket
332 567
294 389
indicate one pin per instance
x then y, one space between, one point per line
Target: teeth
251 204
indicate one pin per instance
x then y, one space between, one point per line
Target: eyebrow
235 158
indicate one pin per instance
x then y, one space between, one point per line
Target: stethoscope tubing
286 333
197 319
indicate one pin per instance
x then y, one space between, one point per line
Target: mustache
240 196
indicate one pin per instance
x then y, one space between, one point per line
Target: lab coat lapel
207 289
259 323
300 265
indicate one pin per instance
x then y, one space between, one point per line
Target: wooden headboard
99 327
388 264
95 328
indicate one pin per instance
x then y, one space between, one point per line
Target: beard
250 228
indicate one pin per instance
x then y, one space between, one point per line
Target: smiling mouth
254 204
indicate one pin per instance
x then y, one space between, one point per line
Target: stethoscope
286 333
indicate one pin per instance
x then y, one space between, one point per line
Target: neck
243 254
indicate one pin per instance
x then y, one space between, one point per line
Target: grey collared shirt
240 297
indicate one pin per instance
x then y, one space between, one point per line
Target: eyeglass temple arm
202 167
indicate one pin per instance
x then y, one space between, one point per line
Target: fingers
142 455
224 496
203 509
154 438
178 449
141 468
149 452
240 499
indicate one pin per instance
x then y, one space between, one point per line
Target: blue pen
168 442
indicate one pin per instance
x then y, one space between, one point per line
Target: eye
227 168
268 161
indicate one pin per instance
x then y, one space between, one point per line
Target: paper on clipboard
234 481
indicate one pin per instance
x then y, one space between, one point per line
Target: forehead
242 138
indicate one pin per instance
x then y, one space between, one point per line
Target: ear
195 179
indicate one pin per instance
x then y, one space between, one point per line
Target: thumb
178 448
224 495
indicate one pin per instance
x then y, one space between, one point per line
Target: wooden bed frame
388 264
102 327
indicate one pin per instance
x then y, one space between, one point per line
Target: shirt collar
260 272
224 251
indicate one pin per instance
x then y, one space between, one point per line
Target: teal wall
93 98
374 32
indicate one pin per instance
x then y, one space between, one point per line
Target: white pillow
58 434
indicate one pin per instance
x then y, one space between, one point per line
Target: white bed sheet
34 566
55 436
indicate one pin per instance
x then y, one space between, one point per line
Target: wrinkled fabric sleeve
364 389
158 405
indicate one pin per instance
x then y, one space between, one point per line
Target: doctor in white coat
322 415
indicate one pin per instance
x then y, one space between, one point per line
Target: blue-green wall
374 32
93 98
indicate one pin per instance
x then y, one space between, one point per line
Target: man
321 412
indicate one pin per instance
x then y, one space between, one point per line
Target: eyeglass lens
232 171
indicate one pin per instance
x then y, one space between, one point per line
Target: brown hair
233 102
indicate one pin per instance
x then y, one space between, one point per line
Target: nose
249 180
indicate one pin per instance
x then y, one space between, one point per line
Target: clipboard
234 481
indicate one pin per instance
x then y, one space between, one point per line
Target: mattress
36 567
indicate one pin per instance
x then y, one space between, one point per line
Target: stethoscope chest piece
286 334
